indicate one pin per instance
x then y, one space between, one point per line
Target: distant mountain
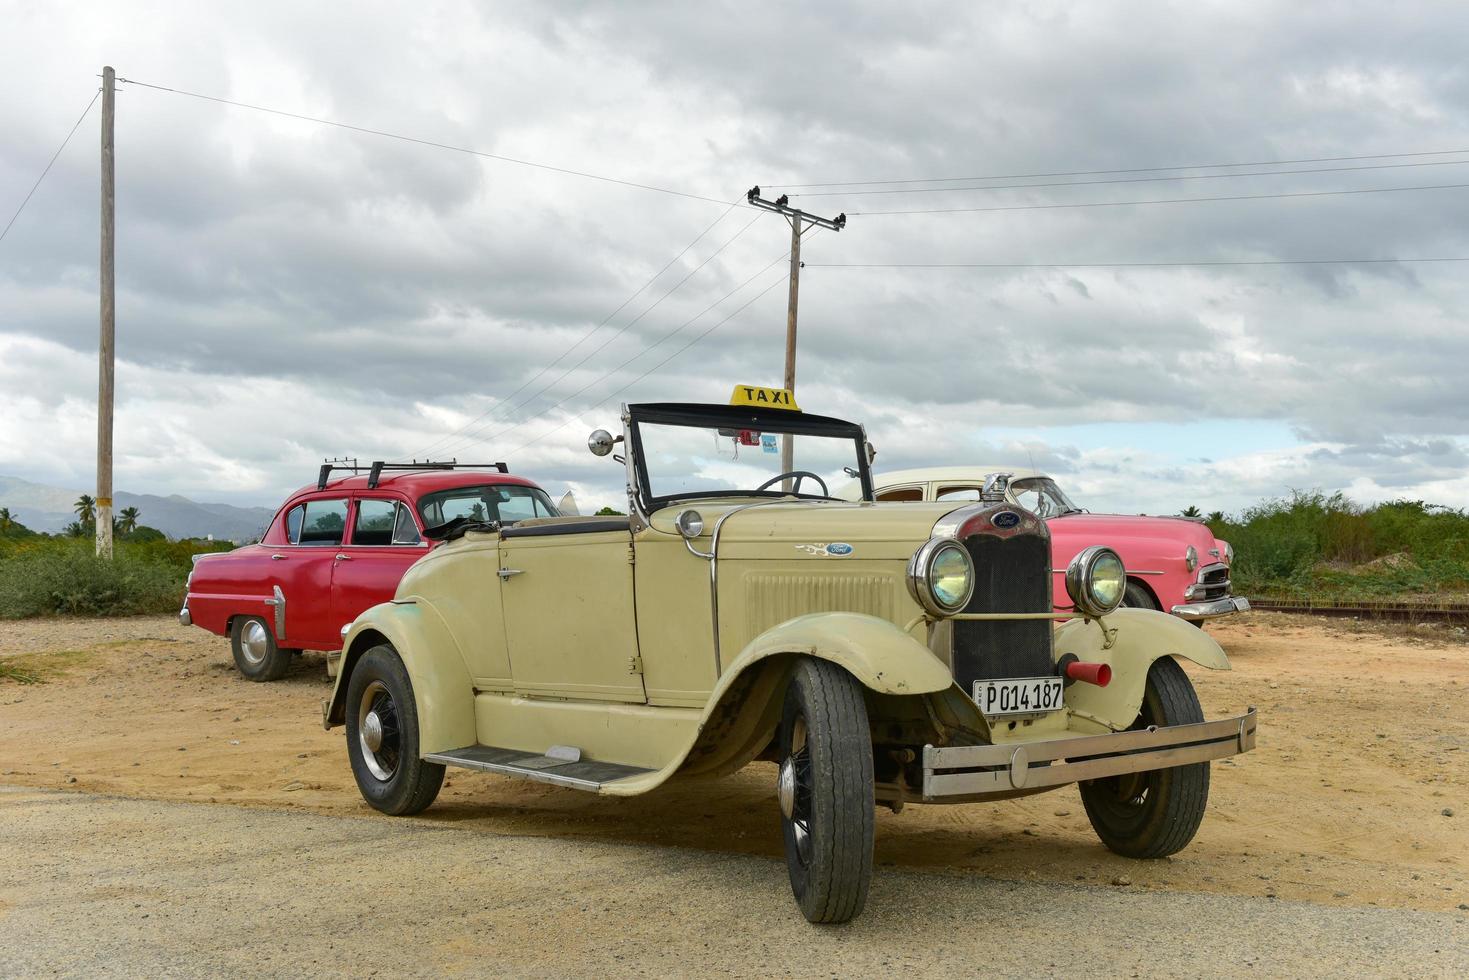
43 508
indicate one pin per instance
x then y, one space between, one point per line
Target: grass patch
12 672
38 668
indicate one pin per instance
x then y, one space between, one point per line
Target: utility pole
800 223
108 324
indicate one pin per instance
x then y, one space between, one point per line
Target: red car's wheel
257 655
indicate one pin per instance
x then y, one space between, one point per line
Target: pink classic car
1173 563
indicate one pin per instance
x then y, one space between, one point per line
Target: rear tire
825 790
1138 597
257 656
1153 814
382 737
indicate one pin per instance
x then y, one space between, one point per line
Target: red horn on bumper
1098 674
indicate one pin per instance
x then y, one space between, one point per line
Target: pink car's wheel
1137 597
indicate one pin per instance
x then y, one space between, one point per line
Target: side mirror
567 507
601 442
871 452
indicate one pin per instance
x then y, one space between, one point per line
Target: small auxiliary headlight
1228 553
1096 580
941 576
689 523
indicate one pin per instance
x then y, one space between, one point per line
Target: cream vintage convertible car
875 653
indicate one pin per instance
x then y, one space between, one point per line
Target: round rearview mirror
600 442
871 452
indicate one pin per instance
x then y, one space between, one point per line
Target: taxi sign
749 395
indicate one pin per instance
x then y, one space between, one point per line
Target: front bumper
979 771
1212 609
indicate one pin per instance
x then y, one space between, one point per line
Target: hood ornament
996 487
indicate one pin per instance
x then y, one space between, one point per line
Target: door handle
505 573
342 557
277 557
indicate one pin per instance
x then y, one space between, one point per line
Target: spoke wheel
825 791
377 731
1156 813
382 736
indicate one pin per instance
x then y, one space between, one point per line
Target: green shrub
44 576
1315 543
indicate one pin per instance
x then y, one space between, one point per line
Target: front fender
1142 636
442 689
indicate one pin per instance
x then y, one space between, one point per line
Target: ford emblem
839 549
1006 519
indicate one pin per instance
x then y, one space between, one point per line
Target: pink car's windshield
1041 496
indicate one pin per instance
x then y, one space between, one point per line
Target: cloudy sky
288 290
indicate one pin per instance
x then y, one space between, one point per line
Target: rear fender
442 689
1141 636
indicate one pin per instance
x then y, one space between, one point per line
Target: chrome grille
1213 582
1012 574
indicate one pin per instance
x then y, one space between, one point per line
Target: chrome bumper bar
999 770
1212 609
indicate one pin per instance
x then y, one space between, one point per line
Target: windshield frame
693 415
1048 484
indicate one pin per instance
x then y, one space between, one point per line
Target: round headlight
1228 553
1096 581
1190 558
941 576
690 523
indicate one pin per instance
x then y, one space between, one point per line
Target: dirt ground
1356 794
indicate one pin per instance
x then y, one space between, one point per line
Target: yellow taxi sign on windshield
753 397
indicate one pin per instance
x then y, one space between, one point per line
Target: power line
584 338
95 96
474 436
1172 200
687 323
1130 170
1116 265
1137 180
773 283
425 142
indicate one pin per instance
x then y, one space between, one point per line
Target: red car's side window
382 523
317 523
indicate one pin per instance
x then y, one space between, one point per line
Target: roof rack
346 464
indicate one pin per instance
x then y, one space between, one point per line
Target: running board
559 767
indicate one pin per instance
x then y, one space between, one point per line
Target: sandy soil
1356 794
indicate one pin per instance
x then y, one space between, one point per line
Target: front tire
1138 597
1153 814
257 656
382 737
825 790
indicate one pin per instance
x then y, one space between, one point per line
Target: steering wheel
799 475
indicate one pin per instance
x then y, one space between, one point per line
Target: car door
303 570
567 594
383 542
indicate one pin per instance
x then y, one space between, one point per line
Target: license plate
1021 696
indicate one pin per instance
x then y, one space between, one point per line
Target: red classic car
1173 563
337 547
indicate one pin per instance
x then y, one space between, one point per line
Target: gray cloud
329 291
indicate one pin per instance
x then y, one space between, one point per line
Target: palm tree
1190 511
127 520
6 520
86 509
